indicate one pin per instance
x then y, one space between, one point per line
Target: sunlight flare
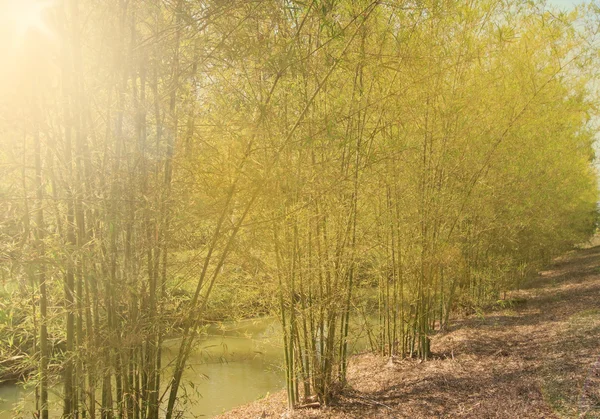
25 16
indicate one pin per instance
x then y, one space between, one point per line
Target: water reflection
235 363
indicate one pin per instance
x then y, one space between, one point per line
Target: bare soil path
539 358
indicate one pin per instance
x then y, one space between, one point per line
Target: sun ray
26 16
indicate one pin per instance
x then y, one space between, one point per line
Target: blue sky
567 4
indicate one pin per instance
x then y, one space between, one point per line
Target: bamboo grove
385 163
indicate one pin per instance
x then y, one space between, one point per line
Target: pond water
235 363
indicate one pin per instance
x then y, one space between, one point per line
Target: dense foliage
164 162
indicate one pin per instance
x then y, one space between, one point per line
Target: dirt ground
539 358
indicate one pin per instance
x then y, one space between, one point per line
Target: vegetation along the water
355 175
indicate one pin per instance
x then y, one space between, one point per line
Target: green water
234 364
